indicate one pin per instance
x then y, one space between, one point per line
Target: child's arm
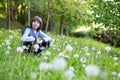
44 36
26 37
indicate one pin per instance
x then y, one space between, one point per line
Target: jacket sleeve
26 37
44 36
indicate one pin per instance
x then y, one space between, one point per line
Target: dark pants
29 45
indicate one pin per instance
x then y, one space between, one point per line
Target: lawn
68 58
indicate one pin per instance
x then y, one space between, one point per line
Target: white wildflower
69 48
67 56
59 64
7 42
90 12
71 68
10 37
69 74
45 58
107 49
61 54
118 75
19 49
42 48
86 48
24 47
87 54
103 74
36 47
115 58
8 47
48 53
92 70
93 48
114 73
99 52
33 75
45 66
83 59
76 55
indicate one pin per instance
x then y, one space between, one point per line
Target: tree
107 12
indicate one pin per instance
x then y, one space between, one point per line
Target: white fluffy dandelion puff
36 47
33 75
19 49
69 74
92 70
83 59
108 49
45 66
59 64
76 55
69 48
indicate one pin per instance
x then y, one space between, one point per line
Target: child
34 36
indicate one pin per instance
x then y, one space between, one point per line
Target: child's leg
37 52
45 44
28 45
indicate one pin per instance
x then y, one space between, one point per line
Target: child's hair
37 18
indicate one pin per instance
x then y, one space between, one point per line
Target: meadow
67 58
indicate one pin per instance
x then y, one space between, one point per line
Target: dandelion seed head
45 66
107 49
99 52
36 46
24 47
45 58
83 59
103 74
69 48
87 54
115 58
114 73
61 54
19 49
69 74
10 37
7 42
8 47
118 75
92 70
93 48
76 55
86 48
67 56
59 64
48 53
71 68
33 75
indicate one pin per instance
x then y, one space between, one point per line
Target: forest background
98 19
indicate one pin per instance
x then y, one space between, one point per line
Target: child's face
35 24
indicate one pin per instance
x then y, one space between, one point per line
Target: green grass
20 66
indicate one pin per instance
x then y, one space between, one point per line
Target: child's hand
39 41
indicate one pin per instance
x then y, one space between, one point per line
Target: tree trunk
51 23
48 16
62 24
47 22
28 13
8 11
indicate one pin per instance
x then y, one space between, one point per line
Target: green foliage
107 12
